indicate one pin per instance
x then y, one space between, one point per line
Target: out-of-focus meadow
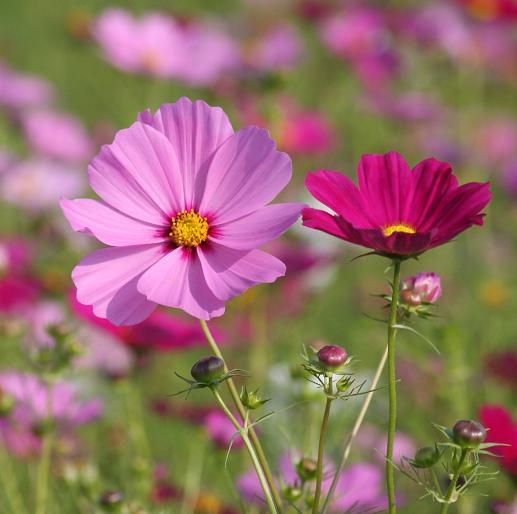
331 81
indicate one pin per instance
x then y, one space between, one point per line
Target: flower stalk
261 457
390 479
454 481
244 430
321 446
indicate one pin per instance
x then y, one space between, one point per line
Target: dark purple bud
332 356
468 433
207 369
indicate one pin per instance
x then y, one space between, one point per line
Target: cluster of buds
306 472
459 456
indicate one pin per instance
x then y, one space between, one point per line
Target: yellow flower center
188 228
397 227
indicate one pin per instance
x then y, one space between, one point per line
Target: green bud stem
454 481
242 411
321 447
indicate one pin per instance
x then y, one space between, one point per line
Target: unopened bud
332 356
468 433
421 288
207 369
306 469
292 493
426 457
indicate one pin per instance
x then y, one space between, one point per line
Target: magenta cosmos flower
396 211
183 208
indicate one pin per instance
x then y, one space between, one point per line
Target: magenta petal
139 175
432 181
230 272
321 220
195 130
106 279
108 225
246 173
257 228
177 280
338 192
384 181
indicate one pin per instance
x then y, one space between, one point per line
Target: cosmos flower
221 431
57 135
422 287
18 90
21 427
396 211
501 429
184 207
38 184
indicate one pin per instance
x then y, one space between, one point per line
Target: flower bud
421 288
306 469
468 433
111 499
292 493
207 369
251 399
426 457
332 356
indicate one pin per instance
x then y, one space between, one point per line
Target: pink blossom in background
278 49
306 133
19 91
360 486
6 161
19 429
371 439
197 52
502 429
18 288
39 318
502 365
221 431
57 135
161 331
38 184
184 209
409 106
151 44
495 141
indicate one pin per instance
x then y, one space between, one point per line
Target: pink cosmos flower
221 431
146 45
396 211
20 428
18 91
422 287
57 135
184 207
38 184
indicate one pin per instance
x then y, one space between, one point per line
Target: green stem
355 430
8 475
42 489
390 479
321 447
256 464
454 481
242 412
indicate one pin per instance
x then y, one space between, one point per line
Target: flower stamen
188 228
398 227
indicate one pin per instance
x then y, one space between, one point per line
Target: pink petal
432 180
384 182
108 225
230 272
107 280
195 130
321 220
338 192
246 173
257 228
139 175
177 280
